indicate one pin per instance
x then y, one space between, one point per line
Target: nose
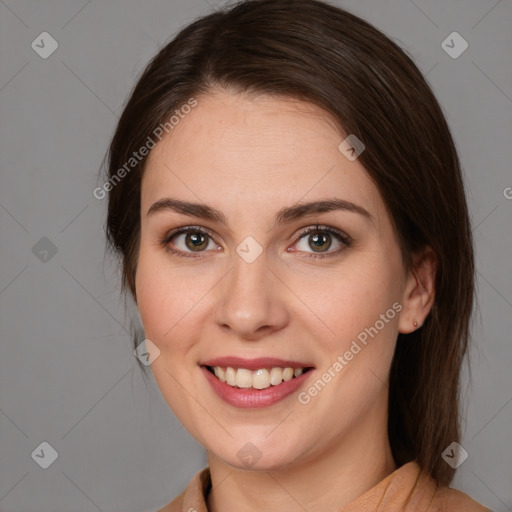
251 301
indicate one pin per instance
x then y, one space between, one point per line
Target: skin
250 156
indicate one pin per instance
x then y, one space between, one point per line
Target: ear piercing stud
415 323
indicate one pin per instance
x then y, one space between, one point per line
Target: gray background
67 372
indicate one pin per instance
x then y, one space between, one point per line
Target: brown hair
310 50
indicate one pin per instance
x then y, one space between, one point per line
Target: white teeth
288 373
260 379
230 376
243 378
276 376
220 373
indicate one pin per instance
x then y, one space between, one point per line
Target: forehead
256 150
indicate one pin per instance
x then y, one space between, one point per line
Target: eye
320 239
187 240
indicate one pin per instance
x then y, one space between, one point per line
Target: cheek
361 312
165 303
160 298
169 300
354 300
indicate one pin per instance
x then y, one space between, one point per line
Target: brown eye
196 240
185 241
319 241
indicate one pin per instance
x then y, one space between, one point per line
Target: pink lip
254 398
254 364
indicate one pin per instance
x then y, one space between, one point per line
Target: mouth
259 379
255 383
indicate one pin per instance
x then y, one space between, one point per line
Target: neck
331 479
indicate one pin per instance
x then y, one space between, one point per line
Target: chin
259 455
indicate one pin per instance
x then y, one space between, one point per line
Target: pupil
319 239
197 240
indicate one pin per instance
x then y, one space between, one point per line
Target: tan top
405 490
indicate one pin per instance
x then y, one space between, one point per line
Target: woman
288 204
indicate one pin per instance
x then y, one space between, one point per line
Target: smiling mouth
262 378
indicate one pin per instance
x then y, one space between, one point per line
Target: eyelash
342 237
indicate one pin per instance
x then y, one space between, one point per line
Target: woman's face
255 285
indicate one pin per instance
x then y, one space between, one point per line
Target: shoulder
451 500
421 492
193 498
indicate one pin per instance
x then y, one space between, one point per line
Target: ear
419 291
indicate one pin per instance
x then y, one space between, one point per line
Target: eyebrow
283 216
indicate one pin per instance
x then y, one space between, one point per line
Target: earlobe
419 292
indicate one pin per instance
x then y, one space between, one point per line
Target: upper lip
254 364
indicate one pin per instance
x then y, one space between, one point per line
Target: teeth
276 376
243 378
231 376
260 379
220 373
288 374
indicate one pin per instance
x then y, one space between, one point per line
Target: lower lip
255 398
